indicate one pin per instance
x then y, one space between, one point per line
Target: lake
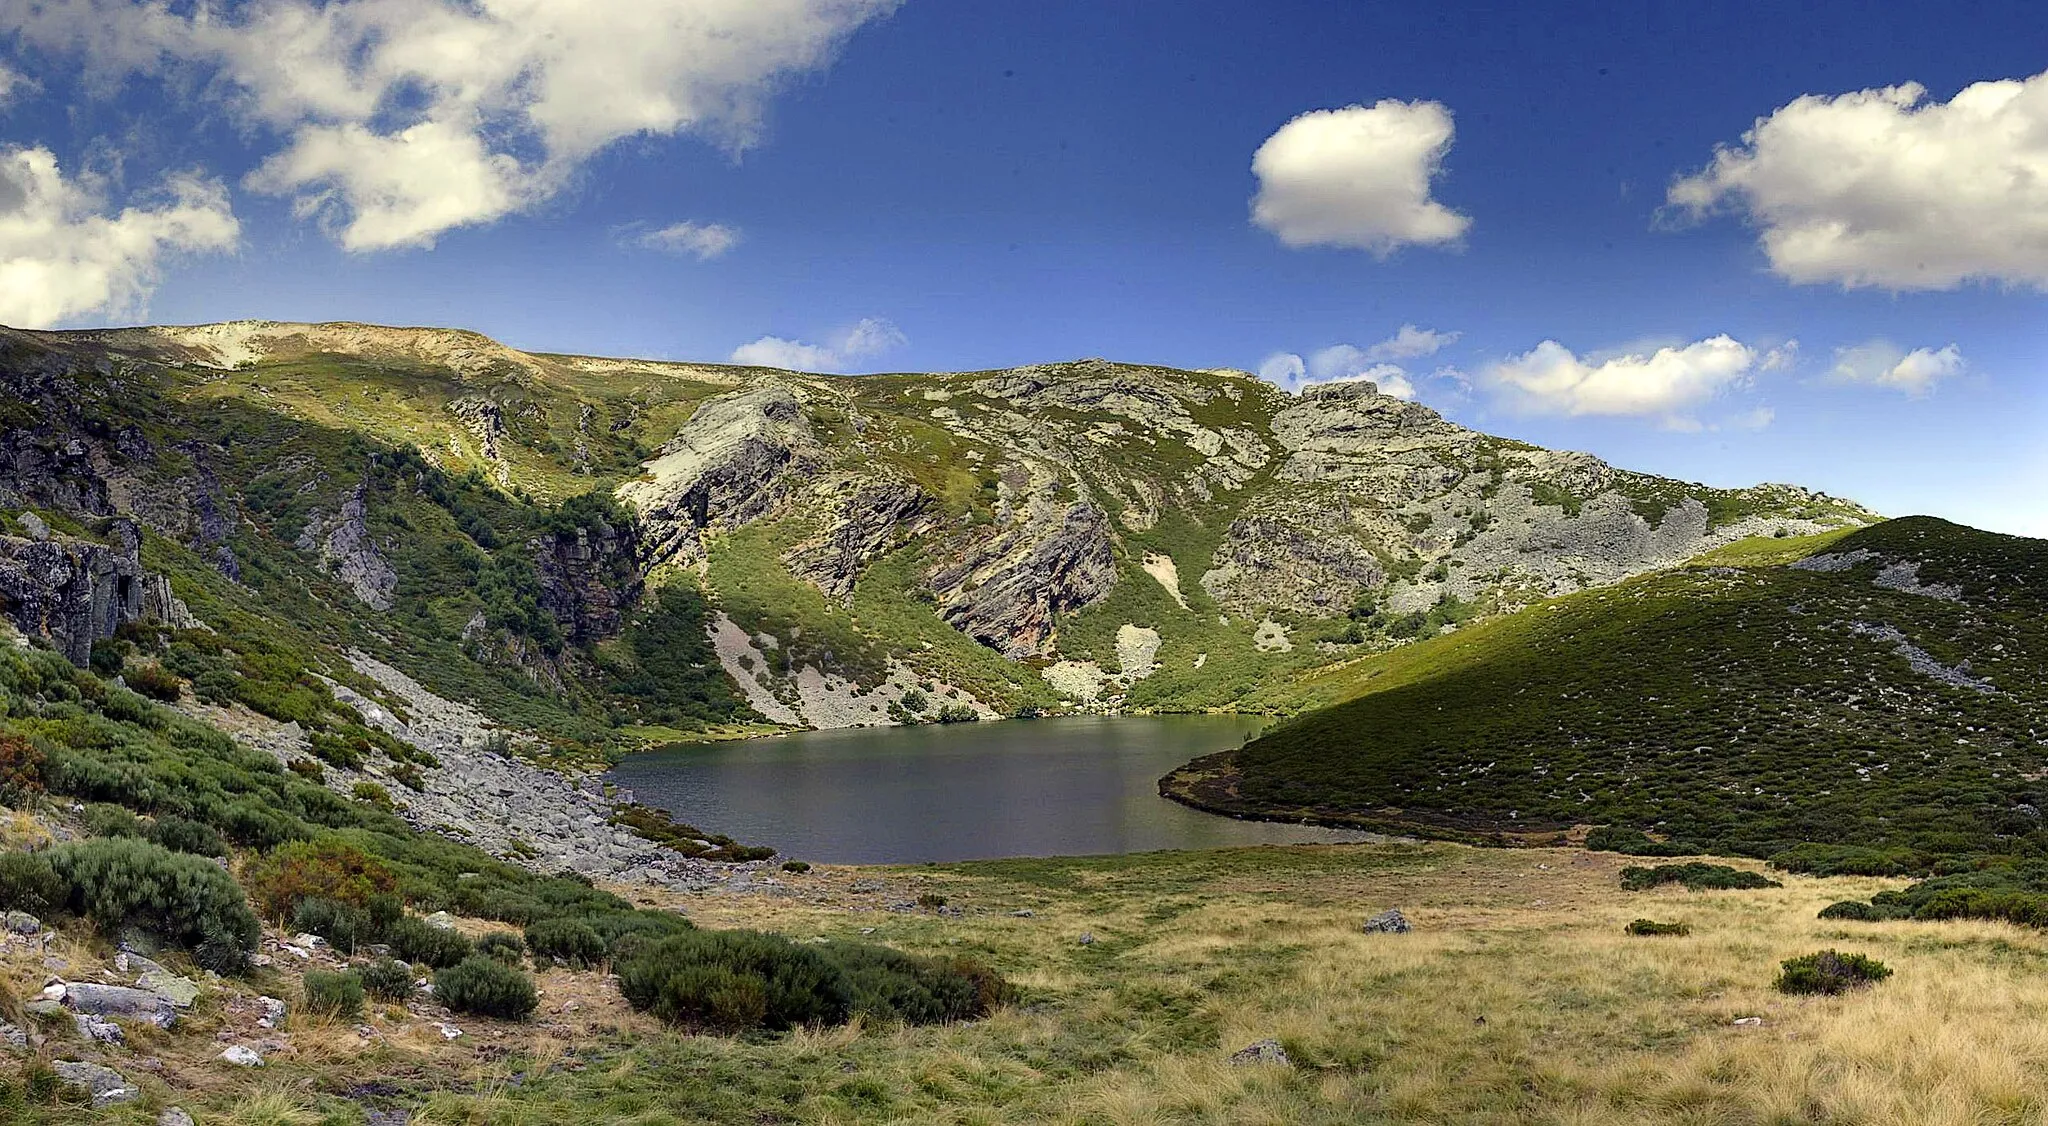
1072 786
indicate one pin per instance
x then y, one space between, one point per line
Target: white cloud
64 255
1410 343
702 241
404 119
1339 363
1550 379
869 338
1884 188
1357 177
13 82
1883 364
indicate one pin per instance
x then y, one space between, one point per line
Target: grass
1519 998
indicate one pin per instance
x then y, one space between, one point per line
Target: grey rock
1026 913
1265 1051
98 1030
180 991
273 1012
241 1055
106 1085
1390 921
388 1118
20 922
1087 938
13 1036
75 592
175 1116
33 527
120 1001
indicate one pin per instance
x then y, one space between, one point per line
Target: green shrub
344 927
570 940
1694 877
21 770
1634 842
732 981
1829 972
387 979
957 713
417 940
337 995
1652 927
486 987
797 866
185 899
735 981
503 946
1851 909
931 900
28 883
182 834
104 820
374 794
155 682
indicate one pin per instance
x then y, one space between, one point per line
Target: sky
1730 243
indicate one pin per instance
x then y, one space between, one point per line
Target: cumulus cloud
65 253
1666 383
401 120
1358 177
1375 362
702 241
869 338
1886 188
1410 343
1881 363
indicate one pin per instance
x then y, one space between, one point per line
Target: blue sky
1850 299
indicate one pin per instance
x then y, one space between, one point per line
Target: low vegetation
1829 972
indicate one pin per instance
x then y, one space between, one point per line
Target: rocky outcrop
731 463
589 579
1006 592
74 592
1268 562
347 552
874 517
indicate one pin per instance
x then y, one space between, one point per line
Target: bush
374 794
1634 842
104 820
503 946
185 899
344 927
1829 972
387 979
28 883
182 834
337 995
155 682
1694 877
417 940
797 866
487 988
957 713
571 940
325 869
1651 927
735 981
931 900
1851 909
21 770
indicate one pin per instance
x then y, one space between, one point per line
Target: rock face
726 466
874 517
1007 591
589 579
75 592
346 552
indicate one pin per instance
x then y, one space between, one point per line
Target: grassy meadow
1517 999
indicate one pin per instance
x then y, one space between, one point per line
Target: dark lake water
1073 786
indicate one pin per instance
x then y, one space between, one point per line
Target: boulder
20 922
175 1116
98 1030
119 1001
241 1055
13 1036
106 1085
1390 921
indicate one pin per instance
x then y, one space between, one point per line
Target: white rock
241 1055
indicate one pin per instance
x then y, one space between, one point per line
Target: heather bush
344 927
1652 927
337 995
570 940
417 940
185 899
503 946
1829 972
486 987
324 869
1851 909
387 979
182 834
1694 877
28 883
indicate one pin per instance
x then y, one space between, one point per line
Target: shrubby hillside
1881 688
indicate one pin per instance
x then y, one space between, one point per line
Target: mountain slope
498 522
1881 688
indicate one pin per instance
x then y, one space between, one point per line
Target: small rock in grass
1265 1051
97 1030
1390 921
273 1012
1024 914
241 1055
20 922
175 1116
13 1036
448 1031
1748 1022
1087 938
